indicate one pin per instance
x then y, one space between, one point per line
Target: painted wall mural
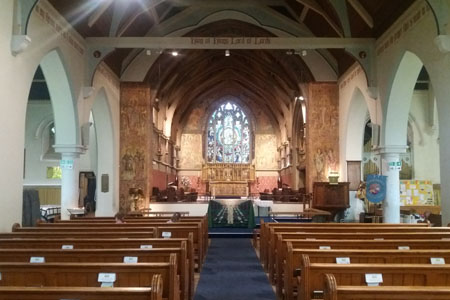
266 151
135 141
322 141
191 151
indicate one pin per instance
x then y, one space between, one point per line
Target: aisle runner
233 272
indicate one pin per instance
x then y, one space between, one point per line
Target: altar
227 179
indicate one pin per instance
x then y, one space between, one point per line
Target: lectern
331 197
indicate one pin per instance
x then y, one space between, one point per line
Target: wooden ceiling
271 76
94 18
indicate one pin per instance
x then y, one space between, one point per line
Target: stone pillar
391 204
70 155
136 134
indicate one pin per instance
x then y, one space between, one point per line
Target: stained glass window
228 135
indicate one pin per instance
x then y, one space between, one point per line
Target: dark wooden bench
312 275
83 293
277 251
108 256
197 228
265 231
87 275
278 269
292 267
333 291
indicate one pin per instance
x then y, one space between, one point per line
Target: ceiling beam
118 14
314 6
363 13
304 13
340 6
99 12
229 42
131 20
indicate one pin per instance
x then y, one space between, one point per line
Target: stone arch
354 133
62 98
399 100
107 202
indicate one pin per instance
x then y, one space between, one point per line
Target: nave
232 271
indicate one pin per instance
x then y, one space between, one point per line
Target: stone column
70 155
391 204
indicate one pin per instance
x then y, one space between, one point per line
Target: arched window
228 135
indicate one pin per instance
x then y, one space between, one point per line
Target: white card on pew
437 261
146 246
106 277
0 275
130 259
166 234
343 260
324 247
67 247
403 248
374 279
37 259
107 284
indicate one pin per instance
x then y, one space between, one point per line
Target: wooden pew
199 235
277 271
87 234
202 219
86 275
82 293
312 277
111 243
265 231
271 236
333 291
292 267
277 251
108 256
182 231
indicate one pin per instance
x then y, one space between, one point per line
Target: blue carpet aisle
232 271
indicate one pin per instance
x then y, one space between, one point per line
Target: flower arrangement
186 182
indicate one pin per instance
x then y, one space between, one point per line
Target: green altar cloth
231 213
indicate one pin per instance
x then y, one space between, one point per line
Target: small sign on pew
374 279
37 259
107 279
343 260
146 246
437 261
324 247
67 247
130 259
0 275
403 248
166 234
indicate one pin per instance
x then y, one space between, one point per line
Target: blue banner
376 188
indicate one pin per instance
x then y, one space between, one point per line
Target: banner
376 188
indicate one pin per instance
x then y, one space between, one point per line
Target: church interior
314 119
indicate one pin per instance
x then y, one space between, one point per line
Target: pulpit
331 197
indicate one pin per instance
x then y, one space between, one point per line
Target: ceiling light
174 53
301 98
227 52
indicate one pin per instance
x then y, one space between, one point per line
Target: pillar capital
70 150
386 150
